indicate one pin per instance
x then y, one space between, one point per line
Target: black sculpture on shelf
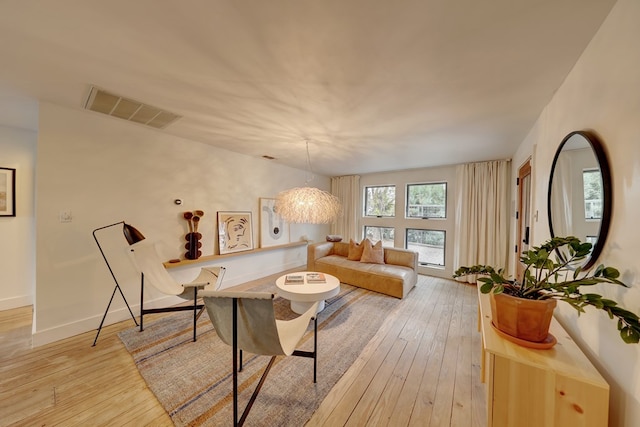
193 244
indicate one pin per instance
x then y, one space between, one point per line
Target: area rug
192 380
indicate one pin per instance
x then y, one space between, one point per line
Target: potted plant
550 275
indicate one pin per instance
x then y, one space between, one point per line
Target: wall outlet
66 216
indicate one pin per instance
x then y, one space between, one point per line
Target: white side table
302 296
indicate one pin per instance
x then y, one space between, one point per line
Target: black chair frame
237 367
195 307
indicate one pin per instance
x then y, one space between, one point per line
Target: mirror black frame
607 201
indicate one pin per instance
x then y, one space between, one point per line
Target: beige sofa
396 277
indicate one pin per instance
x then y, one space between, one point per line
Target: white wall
106 170
602 93
413 176
17 234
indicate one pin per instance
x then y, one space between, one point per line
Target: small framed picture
273 229
7 192
235 232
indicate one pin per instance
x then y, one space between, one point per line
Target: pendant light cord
311 176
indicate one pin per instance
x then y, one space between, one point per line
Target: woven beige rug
192 380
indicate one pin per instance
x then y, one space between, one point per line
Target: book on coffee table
316 278
294 279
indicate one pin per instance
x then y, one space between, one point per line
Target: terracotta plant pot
525 319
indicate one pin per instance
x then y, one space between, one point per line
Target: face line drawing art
235 232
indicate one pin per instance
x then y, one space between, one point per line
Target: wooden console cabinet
539 388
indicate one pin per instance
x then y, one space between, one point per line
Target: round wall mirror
579 199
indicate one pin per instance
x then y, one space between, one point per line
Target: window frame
393 229
444 247
365 196
599 173
406 203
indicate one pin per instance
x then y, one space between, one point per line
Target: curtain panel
347 190
482 215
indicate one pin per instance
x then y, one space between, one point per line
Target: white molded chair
152 269
246 321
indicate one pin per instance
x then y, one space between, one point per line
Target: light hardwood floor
422 368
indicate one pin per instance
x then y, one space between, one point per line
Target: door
523 215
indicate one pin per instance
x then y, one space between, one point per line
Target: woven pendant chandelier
307 205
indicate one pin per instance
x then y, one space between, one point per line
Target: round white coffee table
302 296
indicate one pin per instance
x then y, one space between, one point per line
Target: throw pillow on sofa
373 254
355 250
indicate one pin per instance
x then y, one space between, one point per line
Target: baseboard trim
81 326
16 302
56 333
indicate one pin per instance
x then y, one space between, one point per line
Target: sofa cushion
355 250
372 253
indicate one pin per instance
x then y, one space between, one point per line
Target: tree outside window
375 234
430 245
427 200
380 201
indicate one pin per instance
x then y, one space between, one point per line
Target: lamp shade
307 205
131 234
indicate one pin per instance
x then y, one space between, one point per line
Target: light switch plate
66 216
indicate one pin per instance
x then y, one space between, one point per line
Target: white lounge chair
154 273
246 321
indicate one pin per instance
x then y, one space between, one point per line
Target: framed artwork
273 229
235 232
7 192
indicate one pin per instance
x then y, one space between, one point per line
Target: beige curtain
347 189
482 214
561 196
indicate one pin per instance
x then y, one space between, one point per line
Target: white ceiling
373 85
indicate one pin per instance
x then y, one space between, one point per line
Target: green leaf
630 335
486 288
543 254
576 272
497 278
627 315
583 249
586 282
610 273
549 265
598 271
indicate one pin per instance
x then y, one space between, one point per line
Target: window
427 200
375 234
380 201
593 195
429 244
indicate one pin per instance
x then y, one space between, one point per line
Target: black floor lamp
133 236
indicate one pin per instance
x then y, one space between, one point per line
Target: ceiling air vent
104 102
